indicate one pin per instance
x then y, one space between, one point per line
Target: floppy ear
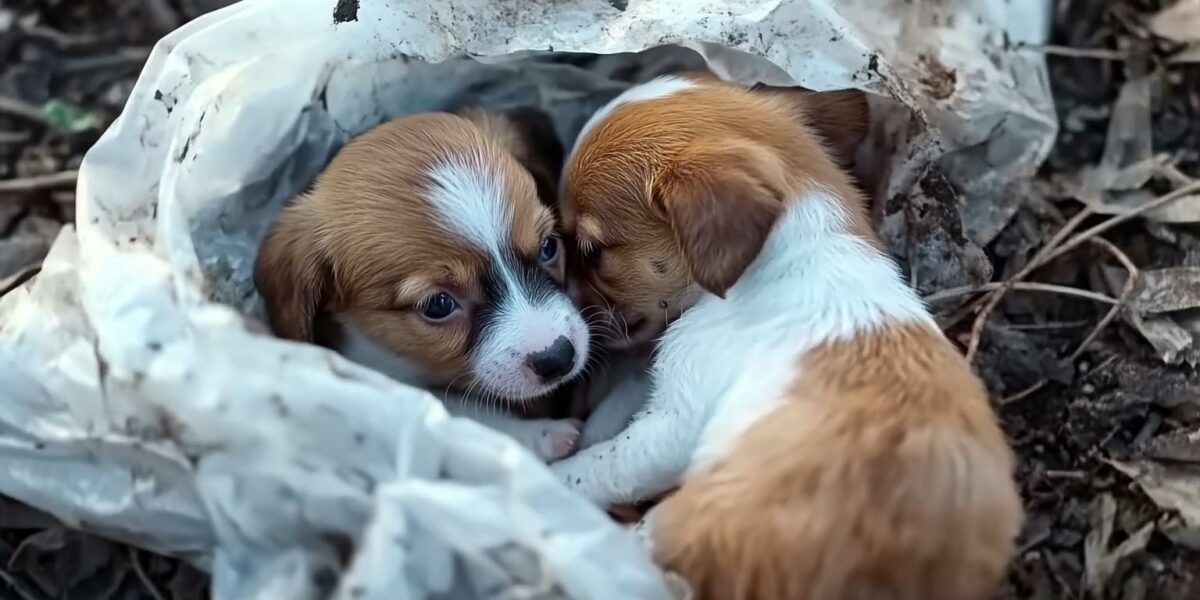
840 117
721 204
528 133
292 275
541 152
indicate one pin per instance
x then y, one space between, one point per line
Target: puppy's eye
549 250
439 306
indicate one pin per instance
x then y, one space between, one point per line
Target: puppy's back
884 481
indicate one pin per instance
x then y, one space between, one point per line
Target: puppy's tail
849 502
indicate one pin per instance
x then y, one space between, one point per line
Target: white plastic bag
141 399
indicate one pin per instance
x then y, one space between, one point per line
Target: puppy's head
427 235
673 187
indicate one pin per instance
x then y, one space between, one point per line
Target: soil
1093 530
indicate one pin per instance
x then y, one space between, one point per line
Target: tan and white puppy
831 443
425 250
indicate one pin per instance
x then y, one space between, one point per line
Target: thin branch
1023 286
30 184
1070 52
1025 393
1127 290
20 108
1043 255
1104 226
142 576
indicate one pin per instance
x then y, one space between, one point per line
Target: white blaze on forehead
469 199
661 87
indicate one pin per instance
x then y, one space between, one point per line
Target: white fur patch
727 363
659 87
469 200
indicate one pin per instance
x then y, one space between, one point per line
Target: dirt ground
1108 432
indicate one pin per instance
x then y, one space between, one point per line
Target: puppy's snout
553 362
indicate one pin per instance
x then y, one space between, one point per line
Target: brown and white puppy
830 442
426 246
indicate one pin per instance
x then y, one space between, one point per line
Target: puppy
831 443
425 251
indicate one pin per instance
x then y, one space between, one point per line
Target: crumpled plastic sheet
141 398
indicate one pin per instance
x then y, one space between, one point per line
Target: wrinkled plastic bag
141 398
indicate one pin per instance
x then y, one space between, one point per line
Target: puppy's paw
552 439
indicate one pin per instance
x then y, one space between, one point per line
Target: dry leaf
1116 185
1180 22
1179 445
1184 210
1175 488
1174 343
1168 290
1099 562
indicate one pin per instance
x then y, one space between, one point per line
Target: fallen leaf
1180 445
1174 488
1099 562
1174 343
1179 22
1168 290
1184 210
1116 185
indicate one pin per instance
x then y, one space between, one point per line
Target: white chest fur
728 362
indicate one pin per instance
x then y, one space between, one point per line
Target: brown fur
884 478
886 475
651 165
364 245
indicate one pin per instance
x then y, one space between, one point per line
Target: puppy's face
427 236
672 190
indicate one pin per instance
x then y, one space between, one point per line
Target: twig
14 137
23 591
1056 248
1025 393
1053 474
20 108
1104 226
142 576
1122 300
1170 171
1043 256
1048 326
29 184
1020 285
1096 53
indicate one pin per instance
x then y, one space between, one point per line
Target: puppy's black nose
553 362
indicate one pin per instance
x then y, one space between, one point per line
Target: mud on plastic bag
141 398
